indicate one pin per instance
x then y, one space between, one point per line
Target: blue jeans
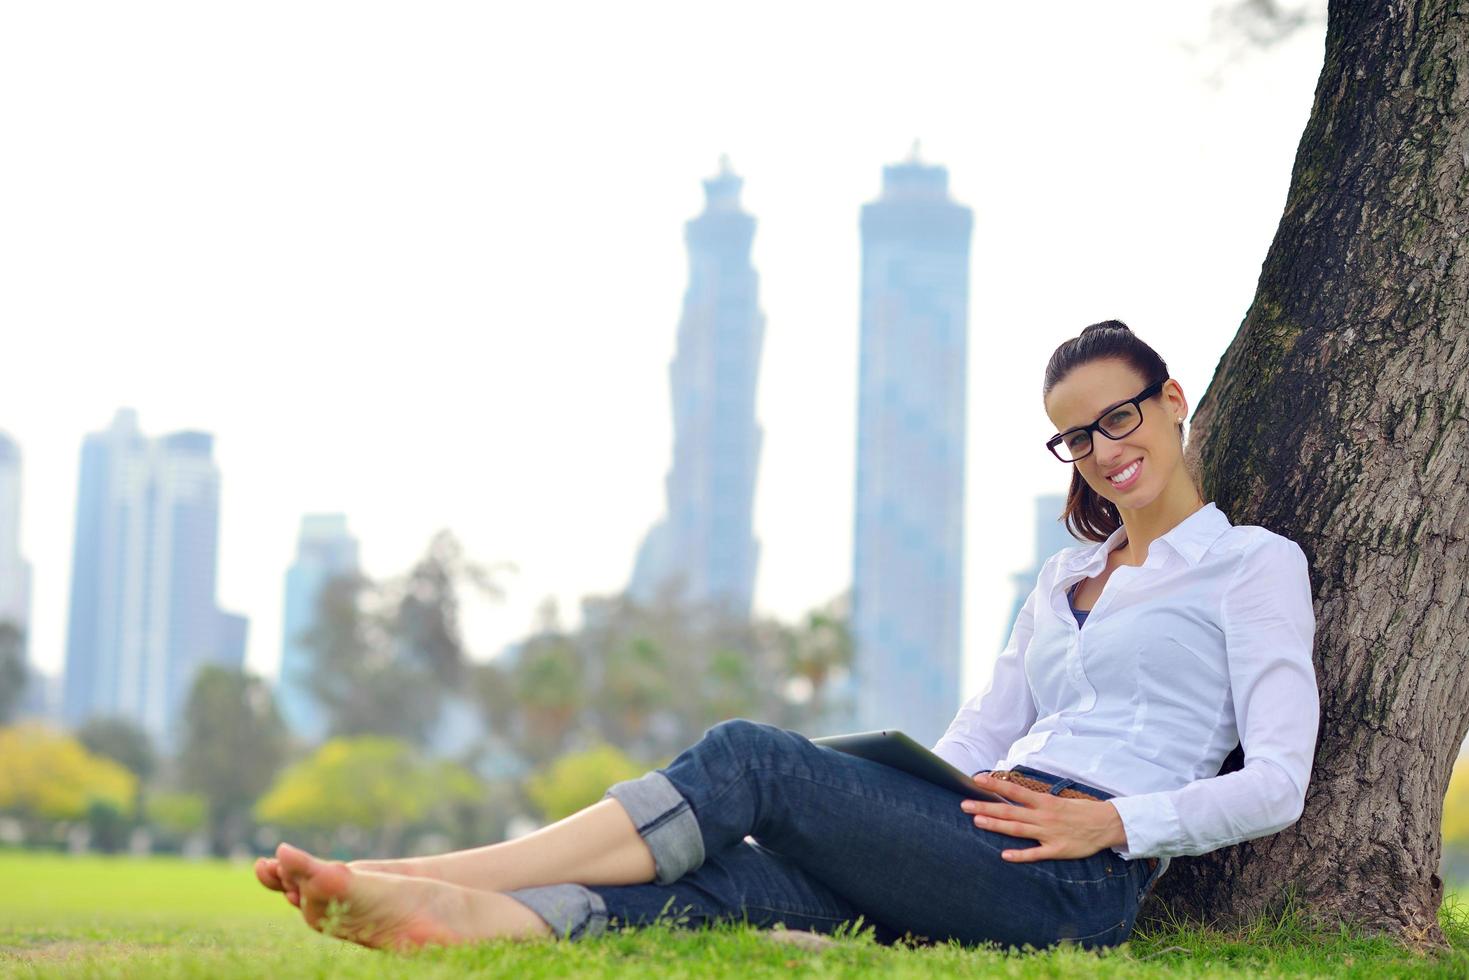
757 824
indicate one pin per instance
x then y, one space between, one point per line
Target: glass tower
705 544
143 617
1051 536
15 571
908 543
324 550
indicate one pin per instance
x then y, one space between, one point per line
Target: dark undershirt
1080 614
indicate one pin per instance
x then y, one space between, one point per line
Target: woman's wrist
1114 832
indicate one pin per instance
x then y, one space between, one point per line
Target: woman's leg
896 847
744 883
595 846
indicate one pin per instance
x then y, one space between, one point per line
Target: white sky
423 263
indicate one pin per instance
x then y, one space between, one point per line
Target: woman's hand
1065 828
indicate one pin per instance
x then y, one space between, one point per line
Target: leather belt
1069 793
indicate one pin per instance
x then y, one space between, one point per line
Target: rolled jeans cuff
666 823
572 911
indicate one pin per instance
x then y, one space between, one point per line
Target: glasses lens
1121 421
1074 446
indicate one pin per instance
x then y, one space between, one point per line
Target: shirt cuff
1151 824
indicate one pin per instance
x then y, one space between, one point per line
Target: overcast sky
423 263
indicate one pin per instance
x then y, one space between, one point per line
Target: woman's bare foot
268 871
388 911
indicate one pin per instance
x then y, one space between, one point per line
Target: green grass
118 917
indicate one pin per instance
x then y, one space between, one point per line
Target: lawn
74 917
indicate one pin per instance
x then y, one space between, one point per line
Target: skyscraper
324 550
143 616
1051 536
15 571
706 540
908 545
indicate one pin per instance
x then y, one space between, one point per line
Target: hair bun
1106 325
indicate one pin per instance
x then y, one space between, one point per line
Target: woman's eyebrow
1098 415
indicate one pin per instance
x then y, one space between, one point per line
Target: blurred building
1050 537
42 700
705 544
143 616
908 543
234 632
15 571
324 550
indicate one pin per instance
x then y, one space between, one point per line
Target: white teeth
1126 474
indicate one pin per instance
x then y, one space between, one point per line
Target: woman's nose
1110 459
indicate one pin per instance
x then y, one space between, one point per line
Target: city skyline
383 322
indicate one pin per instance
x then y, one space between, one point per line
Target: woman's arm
988 723
1269 627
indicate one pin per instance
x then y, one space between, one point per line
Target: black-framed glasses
1114 423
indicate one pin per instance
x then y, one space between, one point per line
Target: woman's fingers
1012 827
1003 811
1021 855
1011 791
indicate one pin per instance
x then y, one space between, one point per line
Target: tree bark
1337 418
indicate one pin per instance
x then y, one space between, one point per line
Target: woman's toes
268 873
295 864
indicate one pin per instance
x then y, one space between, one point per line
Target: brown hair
1088 515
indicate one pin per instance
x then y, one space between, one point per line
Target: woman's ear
1177 403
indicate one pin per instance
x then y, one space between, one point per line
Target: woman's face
1095 388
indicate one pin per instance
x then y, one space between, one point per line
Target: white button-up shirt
1206 644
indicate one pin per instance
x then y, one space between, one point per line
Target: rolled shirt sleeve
1269 627
988 723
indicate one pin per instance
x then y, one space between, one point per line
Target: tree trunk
1337 418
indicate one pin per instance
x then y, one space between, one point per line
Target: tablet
898 751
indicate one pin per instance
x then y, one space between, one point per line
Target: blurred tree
580 779
1456 807
234 742
818 650
384 653
126 743
549 681
356 674
426 621
1336 418
108 826
638 681
729 687
1455 861
46 776
177 814
370 783
651 678
1265 23
12 670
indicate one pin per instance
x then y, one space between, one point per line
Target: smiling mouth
1125 474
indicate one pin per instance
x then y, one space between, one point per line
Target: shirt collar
1191 538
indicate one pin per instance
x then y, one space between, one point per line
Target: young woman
1134 667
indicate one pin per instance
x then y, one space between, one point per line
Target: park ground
122 917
